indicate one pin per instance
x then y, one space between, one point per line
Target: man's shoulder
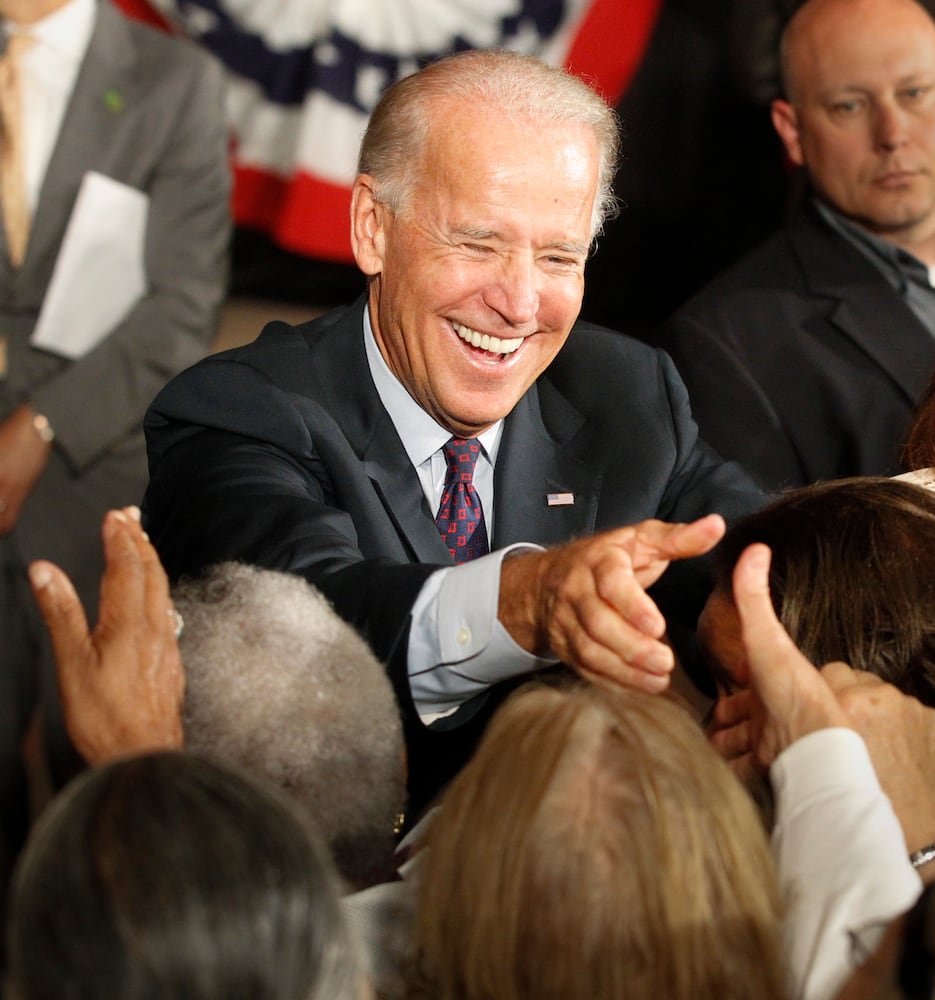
602 372
805 260
283 356
592 344
151 49
776 265
775 285
278 343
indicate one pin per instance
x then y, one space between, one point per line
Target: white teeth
485 342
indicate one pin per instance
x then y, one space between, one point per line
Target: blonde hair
515 85
597 846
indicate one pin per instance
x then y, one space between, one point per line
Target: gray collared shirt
908 276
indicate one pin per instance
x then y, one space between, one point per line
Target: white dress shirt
457 646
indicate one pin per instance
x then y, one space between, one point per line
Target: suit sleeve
235 473
733 412
186 250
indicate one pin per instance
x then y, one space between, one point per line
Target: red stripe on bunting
302 213
140 10
610 43
311 216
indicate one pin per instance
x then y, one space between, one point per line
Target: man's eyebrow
474 233
477 233
575 248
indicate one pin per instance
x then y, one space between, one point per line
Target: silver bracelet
922 856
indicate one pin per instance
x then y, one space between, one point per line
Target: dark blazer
280 453
801 361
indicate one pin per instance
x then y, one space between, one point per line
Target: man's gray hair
516 85
276 682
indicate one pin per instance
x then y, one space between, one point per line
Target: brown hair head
852 575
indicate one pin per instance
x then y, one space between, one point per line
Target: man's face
862 117
478 280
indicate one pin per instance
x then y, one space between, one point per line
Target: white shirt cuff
457 646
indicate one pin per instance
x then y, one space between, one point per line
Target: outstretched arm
840 852
586 603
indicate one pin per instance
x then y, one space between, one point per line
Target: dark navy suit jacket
281 454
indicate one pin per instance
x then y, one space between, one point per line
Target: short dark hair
168 875
852 575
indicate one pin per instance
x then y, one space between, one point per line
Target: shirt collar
420 434
67 30
895 262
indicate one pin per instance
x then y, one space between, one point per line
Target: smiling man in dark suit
322 449
804 360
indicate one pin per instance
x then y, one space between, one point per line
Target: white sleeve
457 646
841 856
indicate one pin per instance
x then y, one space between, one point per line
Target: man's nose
890 126
515 292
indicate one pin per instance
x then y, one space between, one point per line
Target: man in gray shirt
805 359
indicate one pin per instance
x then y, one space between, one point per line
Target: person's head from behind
168 875
483 180
278 683
852 578
859 113
597 846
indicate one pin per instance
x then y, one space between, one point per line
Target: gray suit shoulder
159 54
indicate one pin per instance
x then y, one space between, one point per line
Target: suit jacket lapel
535 458
82 143
341 361
865 308
535 461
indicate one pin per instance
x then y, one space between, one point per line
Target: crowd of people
444 655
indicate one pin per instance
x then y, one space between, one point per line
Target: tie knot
461 456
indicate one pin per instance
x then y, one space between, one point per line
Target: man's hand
900 734
788 697
122 684
586 602
23 458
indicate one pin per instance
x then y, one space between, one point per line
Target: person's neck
922 249
919 240
25 12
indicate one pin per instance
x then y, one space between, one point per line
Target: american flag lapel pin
559 499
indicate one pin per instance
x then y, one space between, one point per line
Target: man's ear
368 216
786 123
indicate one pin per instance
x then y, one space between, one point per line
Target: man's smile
495 345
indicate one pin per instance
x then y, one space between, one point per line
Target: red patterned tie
460 517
